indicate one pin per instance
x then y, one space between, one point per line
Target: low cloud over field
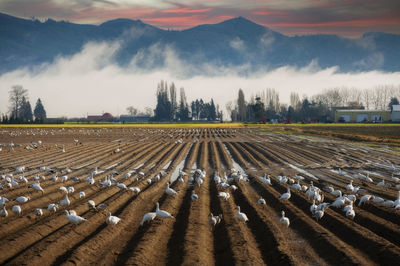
90 82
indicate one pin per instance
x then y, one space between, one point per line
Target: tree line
20 109
168 109
265 106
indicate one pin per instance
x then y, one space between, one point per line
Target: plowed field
372 237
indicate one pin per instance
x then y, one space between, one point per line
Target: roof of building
362 111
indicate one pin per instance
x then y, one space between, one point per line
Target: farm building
100 118
395 115
359 115
134 118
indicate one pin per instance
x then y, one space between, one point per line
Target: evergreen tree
241 106
393 101
26 111
39 111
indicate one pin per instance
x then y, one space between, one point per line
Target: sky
350 18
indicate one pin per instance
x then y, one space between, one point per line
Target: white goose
170 191
4 212
350 213
284 220
52 207
64 189
71 189
318 214
266 180
261 201
224 195
350 187
22 199
297 185
381 184
364 199
194 196
397 201
241 215
36 186
65 201
73 218
285 196
91 204
17 209
148 217
135 190
112 220
313 207
38 212
161 213
82 194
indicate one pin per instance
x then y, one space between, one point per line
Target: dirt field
373 237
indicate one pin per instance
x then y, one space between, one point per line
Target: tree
132 110
26 110
39 111
16 96
241 106
163 111
393 101
183 113
172 96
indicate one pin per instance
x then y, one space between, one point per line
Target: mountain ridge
233 42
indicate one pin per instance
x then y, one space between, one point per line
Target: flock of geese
344 200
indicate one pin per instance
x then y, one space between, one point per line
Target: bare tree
132 110
16 96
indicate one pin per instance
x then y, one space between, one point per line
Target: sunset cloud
349 18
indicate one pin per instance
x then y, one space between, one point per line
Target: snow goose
266 180
313 207
261 201
148 217
64 178
71 190
112 220
169 190
161 213
240 215
64 189
350 213
318 214
377 200
82 194
284 220
38 212
397 201
364 199
297 185
52 207
194 196
17 209
381 184
224 195
212 220
3 212
73 218
36 186
65 201
388 203
122 186
285 196
135 190
22 199
91 204
349 186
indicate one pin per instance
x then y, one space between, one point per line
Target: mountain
234 42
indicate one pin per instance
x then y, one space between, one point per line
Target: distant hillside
232 42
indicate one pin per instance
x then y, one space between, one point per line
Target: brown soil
372 238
